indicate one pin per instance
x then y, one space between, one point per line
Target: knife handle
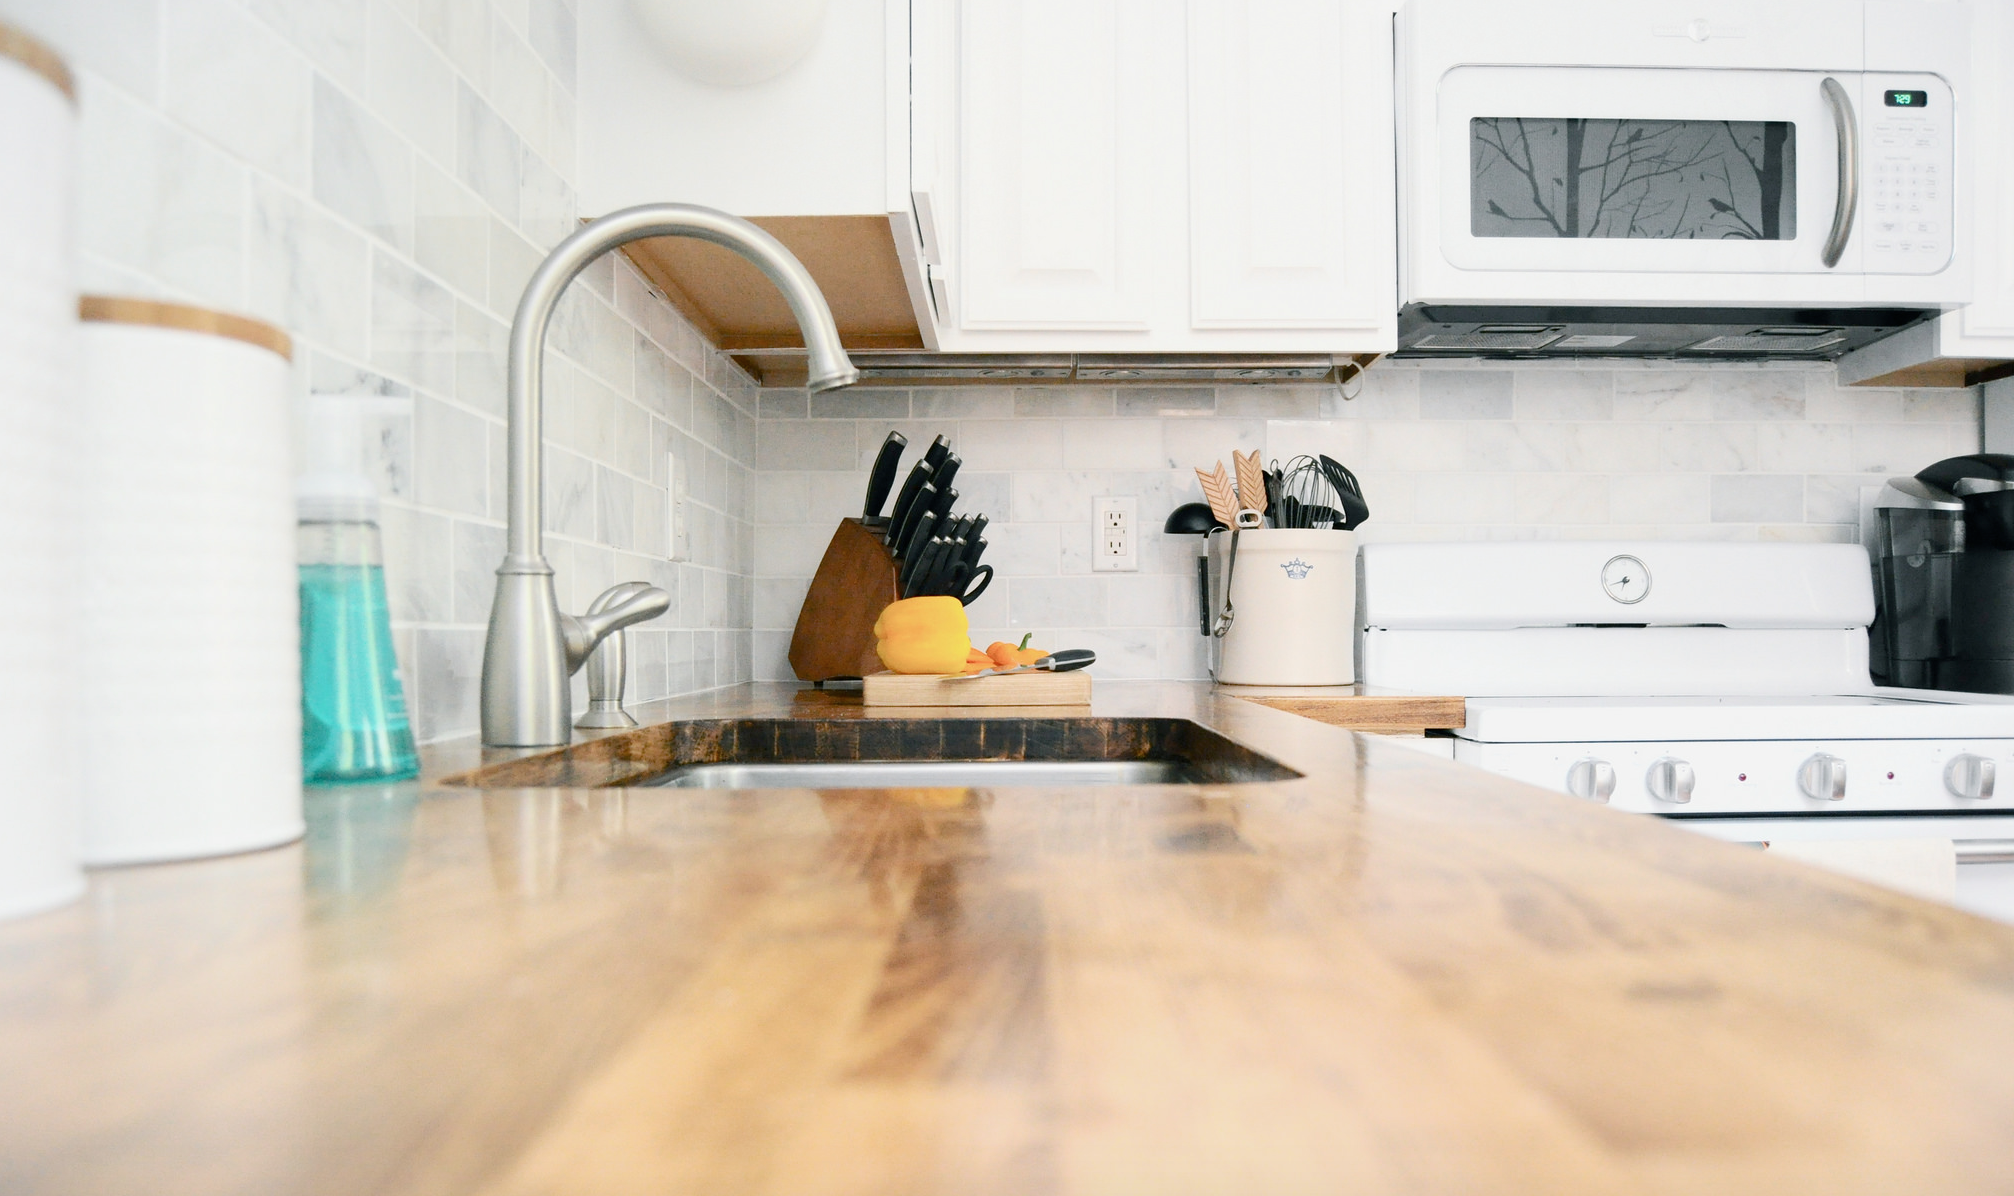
925 495
944 472
905 499
919 539
882 480
1068 660
939 449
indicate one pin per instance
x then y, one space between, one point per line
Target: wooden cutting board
1014 689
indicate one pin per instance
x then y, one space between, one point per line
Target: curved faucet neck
829 365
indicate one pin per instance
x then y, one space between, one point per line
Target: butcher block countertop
1391 975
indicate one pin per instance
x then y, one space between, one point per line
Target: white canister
1294 594
190 644
38 409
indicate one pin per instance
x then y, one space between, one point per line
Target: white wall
1470 450
379 177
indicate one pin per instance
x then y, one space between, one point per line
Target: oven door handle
1985 851
1849 170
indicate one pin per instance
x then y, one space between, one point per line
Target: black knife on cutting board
882 478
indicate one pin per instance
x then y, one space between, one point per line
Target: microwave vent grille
1502 338
1772 340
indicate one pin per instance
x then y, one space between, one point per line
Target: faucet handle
615 609
607 665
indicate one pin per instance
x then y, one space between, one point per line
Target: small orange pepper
1007 656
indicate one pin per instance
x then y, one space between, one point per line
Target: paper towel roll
191 646
1925 868
38 383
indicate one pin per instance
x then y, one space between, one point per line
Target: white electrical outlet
1114 528
679 544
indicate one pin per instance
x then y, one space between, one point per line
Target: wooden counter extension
1393 975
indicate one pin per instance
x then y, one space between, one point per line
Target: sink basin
901 753
925 774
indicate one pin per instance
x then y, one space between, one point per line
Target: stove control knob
1669 779
1823 777
1969 776
1592 779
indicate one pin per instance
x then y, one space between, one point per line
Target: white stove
1723 686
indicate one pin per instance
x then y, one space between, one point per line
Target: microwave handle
1849 170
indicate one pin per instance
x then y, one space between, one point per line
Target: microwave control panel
1906 184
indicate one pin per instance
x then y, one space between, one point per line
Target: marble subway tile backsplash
380 177
1445 451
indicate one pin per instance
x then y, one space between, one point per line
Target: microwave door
1654 172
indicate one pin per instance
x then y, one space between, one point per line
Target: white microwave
1748 159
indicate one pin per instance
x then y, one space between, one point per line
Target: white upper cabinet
1985 327
1138 176
1063 130
1279 237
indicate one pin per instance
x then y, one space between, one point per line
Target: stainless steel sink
892 753
926 774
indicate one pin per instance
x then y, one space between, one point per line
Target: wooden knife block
835 630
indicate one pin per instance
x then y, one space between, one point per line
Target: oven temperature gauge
1625 579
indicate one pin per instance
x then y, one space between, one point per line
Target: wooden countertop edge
1387 712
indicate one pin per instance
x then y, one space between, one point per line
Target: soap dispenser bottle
353 711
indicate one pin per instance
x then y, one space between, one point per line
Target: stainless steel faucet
532 648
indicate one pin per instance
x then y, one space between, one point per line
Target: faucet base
603 716
527 699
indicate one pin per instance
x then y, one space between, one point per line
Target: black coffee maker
1946 577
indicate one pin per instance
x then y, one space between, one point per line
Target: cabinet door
1988 321
1290 164
1058 152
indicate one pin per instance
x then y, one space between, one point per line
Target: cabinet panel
1057 121
1991 312
1289 161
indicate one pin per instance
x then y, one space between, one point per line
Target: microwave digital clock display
1905 99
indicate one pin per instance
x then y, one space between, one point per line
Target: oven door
1693 172
1982 848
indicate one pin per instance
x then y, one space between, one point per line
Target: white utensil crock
1294 592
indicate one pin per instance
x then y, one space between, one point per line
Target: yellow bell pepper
923 635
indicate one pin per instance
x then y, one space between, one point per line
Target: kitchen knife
882 479
899 516
972 535
945 471
919 538
950 555
926 561
917 509
939 449
942 503
974 549
1066 661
